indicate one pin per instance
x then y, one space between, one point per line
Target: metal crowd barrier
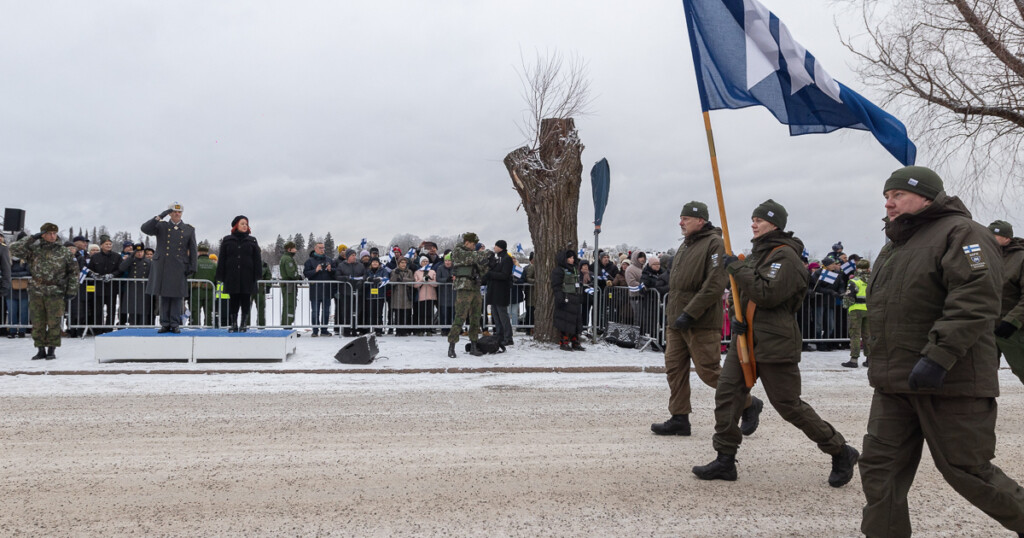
102 305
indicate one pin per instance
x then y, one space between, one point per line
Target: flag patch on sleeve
773 271
974 256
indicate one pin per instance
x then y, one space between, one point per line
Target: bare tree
547 173
954 68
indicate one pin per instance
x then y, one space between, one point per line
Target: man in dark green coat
774 280
933 302
201 300
1009 337
289 291
696 283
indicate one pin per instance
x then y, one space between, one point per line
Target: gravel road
502 458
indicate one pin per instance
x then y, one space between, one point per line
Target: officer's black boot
751 416
723 468
475 351
40 354
451 350
244 325
232 322
50 353
842 466
677 425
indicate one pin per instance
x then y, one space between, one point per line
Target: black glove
1005 329
927 374
737 327
683 322
165 213
729 259
21 235
37 236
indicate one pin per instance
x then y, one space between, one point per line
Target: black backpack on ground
488 345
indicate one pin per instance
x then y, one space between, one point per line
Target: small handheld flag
828 277
517 271
849 267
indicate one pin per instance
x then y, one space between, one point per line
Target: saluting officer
173 262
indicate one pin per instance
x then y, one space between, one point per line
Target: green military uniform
1011 312
774 278
201 298
260 298
857 315
289 271
695 286
932 304
54 281
468 265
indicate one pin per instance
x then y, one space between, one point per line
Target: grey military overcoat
174 257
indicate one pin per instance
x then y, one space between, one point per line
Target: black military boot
451 350
50 355
751 416
232 322
842 466
723 468
576 345
564 345
474 350
852 363
244 325
40 354
677 425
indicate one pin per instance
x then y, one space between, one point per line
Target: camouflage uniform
468 266
289 271
202 292
54 281
858 315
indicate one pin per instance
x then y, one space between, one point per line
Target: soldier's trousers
45 313
960 432
260 300
468 306
781 382
702 346
288 299
859 332
1013 349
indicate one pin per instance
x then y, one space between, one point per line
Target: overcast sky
370 119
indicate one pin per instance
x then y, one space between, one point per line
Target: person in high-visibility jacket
858 313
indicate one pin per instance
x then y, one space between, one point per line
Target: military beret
915 179
48 227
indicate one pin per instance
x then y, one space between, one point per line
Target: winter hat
103 238
863 264
349 252
915 179
773 212
814 265
1001 228
138 247
48 227
471 237
287 246
364 254
424 259
205 247
828 260
234 221
695 209
79 238
448 256
342 248
126 244
838 246
501 244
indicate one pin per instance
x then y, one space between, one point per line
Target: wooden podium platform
194 345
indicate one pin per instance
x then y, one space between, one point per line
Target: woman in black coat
568 288
239 266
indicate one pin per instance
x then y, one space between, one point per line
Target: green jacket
935 292
468 265
206 269
776 280
697 279
289 269
54 271
1012 310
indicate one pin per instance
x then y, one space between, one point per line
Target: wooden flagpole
749 369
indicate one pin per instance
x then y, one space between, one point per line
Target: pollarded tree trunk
548 181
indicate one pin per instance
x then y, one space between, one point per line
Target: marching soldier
1009 337
174 260
201 299
771 282
696 283
933 302
54 282
289 291
858 313
469 264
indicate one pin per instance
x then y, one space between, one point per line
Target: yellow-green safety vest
862 295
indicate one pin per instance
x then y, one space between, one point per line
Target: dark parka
698 279
774 278
1012 310
136 300
239 265
319 291
499 280
929 298
568 316
655 281
174 257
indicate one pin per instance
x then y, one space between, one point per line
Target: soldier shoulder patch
714 260
975 257
773 270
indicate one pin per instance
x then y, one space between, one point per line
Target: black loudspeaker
14 220
362 350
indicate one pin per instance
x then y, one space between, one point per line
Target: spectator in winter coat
317 271
565 283
401 295
104 266
499 291
374 304
825 294
137 304
426 293
619 281
350 272
238 269
17 301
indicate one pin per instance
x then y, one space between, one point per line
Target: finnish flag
384 282
744 55
519 248
411 253
517 271
362 244
581 254
849 267
636 288
971 249
83 274
828 277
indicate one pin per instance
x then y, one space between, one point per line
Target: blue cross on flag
517 271
519 248
362 244
411 253
636 288
744 55
828 277
82 274
849 267
581 253
971 249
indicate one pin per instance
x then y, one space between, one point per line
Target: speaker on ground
362 350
